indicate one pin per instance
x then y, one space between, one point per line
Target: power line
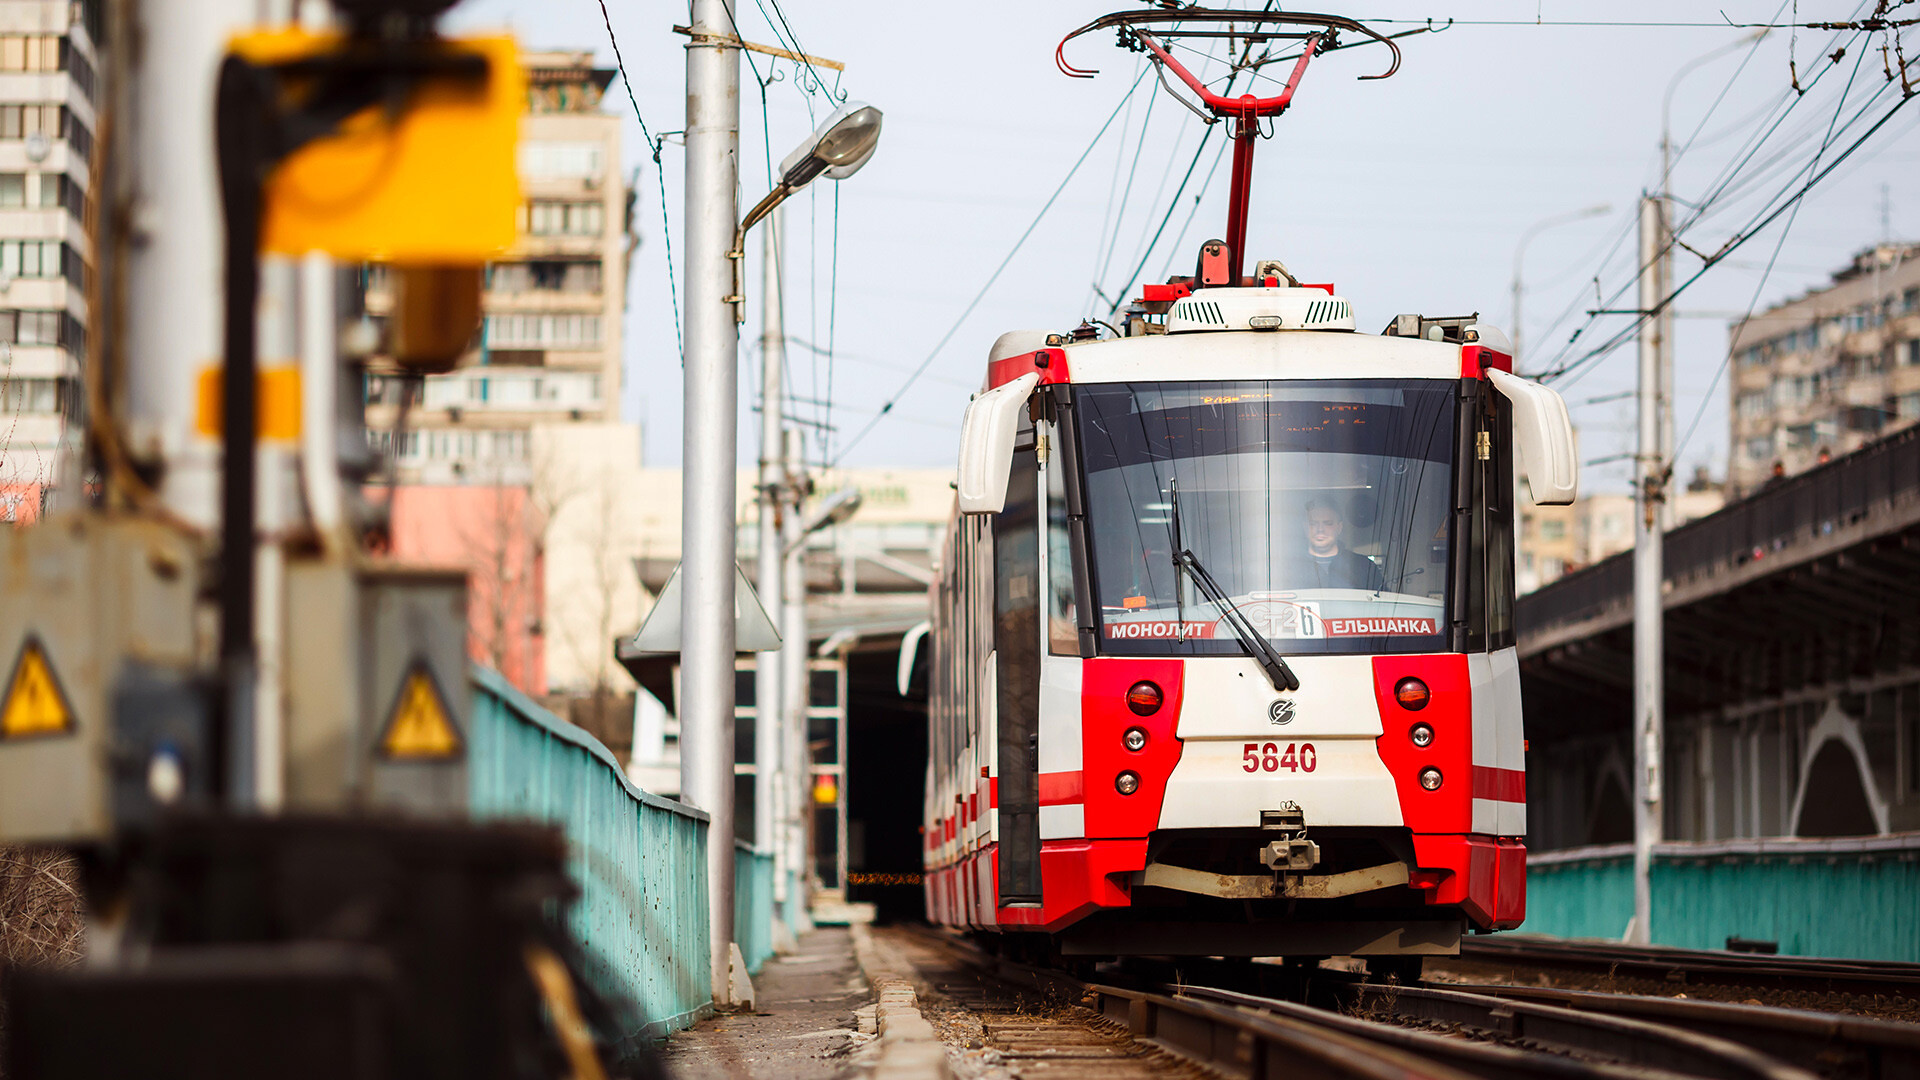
1753 228
1869 25
995 276
666 233
1728 185
1760 287
1174 204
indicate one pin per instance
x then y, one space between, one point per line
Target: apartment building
549 349
1827 372
48 88
1557 540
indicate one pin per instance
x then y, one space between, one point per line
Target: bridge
1792 671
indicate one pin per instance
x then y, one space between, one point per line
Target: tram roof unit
1224 355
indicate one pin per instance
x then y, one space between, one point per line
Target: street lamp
1520 253
837 148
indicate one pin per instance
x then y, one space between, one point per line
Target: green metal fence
752 905
639 859
1852 897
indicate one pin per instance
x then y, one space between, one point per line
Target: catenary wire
967 312
666 234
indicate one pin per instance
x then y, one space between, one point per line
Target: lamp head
838 147
835 509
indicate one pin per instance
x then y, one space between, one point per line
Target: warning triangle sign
35 704
420 728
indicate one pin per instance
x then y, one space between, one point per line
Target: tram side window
1500 511
1063 632
1489 590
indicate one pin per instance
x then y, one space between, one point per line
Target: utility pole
769 750
708 458
1649 490
796 684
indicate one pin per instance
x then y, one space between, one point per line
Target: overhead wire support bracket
755 47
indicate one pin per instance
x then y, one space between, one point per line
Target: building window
561 160
53 121
76 65
1759 448
43 328
577 276
554 218
30 52
1907 406
44 396
33 259
1553 529
58 190
1911 353
543 331
1752 404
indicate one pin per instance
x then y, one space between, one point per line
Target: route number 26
1268 757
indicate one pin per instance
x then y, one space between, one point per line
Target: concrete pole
769 716
1648 652
795 685
170 189
708 459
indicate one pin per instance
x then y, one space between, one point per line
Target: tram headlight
1421 734
1135 739
1127 782
1430 778
1412 694
1144 698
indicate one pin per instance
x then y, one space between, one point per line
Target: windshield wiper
1256 644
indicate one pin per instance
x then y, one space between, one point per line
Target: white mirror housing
1543 433
986 445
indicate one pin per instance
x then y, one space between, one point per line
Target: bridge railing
1814 504
639 859
752 904
1846 897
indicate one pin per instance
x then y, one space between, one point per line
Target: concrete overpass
1792 670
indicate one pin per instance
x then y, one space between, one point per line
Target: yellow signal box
436 183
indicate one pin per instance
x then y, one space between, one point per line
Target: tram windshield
1321 508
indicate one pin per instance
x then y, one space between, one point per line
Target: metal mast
708 458
1649 490
770 779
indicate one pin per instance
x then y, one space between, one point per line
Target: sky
1411 194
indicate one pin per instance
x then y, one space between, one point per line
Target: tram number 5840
1268 757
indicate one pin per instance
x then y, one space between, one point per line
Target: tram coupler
1293 852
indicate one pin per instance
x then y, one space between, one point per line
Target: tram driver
1327 563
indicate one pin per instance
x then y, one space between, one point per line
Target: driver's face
1323 529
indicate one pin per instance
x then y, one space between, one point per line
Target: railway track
1260 1021
1696 967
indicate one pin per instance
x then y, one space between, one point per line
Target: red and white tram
1222 645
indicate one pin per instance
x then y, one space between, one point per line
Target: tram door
1016 644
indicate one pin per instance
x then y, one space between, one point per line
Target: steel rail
1490 1061
1829 1043
1260 1045
1630 1041
1257 1036
1683 966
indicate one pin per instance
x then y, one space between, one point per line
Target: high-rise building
48 83
1828 372
549 349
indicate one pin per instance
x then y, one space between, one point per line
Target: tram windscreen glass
1322 508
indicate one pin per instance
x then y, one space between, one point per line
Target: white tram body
1111 762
